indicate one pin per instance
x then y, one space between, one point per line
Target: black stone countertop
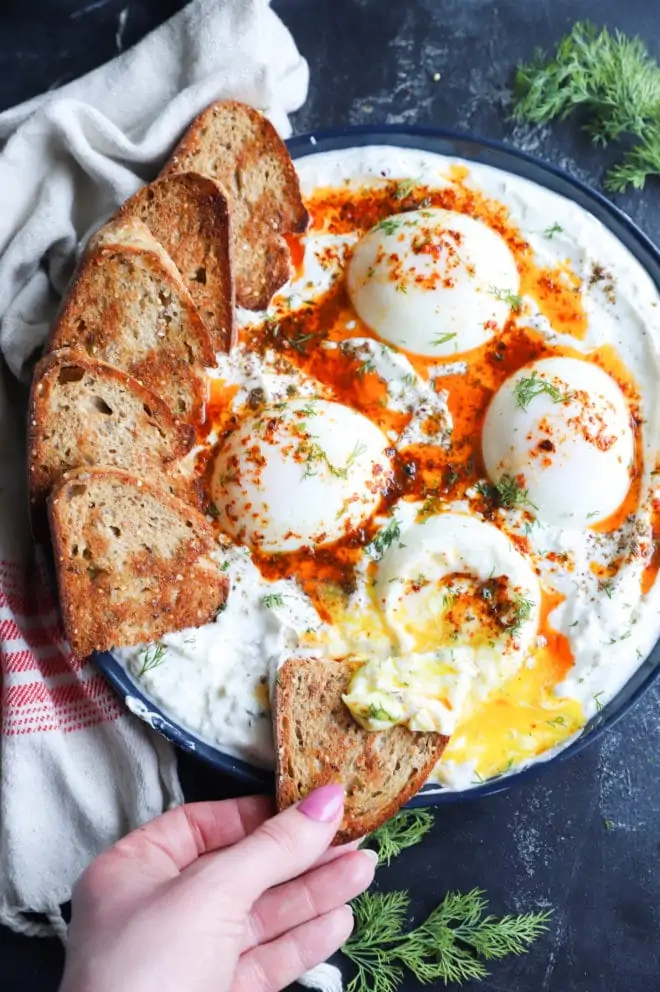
585 837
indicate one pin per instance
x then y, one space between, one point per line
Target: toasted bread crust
318 742
239 147
83 412
189 215
133 562
128 306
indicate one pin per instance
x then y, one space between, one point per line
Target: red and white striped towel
76 770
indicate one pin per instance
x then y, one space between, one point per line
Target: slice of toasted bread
242 150
319 742
128 306
189 215
84 412
133 562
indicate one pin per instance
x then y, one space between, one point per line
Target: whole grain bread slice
239 147
189 215
133 562
128 306
84 412
319 742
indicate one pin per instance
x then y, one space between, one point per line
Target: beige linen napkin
76 771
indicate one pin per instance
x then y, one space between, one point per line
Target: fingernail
372 855
325 804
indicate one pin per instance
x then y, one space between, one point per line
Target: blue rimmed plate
508 160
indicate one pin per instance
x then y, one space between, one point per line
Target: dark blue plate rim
508 159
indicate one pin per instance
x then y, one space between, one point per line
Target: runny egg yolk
461 606
525 716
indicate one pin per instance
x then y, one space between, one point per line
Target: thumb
285 845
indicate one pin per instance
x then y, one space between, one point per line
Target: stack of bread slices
114 407
117 398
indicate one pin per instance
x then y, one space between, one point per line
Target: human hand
216 897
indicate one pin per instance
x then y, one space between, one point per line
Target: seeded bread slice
84 412
319 742
189 215
128 306
133 562
240 148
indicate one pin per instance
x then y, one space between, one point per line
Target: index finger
184 834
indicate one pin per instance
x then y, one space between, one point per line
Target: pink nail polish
325 804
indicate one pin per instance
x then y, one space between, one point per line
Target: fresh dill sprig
640 162
610 77
382 541
508 296
152 657
404 830
529 387
451 945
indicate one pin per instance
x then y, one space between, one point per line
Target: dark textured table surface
583 839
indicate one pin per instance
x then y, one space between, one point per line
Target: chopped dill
506 493
443 338
367 366
508 296
522 611
384 539
389 225
606 586
152 657
299 342
375 712
273 600
529 387
404 189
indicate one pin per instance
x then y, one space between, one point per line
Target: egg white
299 474
561 426
434 281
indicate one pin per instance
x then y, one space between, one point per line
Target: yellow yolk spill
524 718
